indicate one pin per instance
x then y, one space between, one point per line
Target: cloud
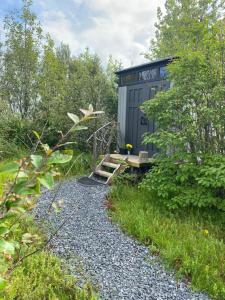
118 27
60 28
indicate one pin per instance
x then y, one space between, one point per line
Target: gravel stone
98 250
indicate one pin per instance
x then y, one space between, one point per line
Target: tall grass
190 241
79 165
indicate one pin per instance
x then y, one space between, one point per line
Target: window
163 72
150 74
129 78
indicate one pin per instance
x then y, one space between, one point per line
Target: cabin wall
122 110
136 85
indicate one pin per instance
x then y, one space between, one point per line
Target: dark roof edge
167 59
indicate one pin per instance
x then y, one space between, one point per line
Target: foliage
181 184
126 179
28 175
191 241
40 82
21 60
80 164
183 25
43 276
190 116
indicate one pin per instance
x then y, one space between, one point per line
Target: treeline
40 82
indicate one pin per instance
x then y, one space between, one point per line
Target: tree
21 61
183 26
190 116
111 98
52 107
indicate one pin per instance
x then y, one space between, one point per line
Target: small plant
28 175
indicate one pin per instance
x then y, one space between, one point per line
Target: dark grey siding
137 85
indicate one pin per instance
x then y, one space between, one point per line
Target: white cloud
60 28
118 27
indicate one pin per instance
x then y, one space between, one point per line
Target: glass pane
163 72
150 74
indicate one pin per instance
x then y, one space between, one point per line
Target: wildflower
205 231
129 146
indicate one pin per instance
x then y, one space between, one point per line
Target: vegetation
42 275
190 115
191 241
189 170
178 210
40 83
18 242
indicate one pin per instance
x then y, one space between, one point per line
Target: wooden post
143 156
94 151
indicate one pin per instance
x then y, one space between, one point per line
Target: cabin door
137 123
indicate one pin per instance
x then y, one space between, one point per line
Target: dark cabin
136 85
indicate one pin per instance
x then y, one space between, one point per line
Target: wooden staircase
107 168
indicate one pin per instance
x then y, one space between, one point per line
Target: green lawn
190 241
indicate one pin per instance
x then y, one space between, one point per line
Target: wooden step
103 173
110 165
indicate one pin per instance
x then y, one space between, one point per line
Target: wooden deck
133 160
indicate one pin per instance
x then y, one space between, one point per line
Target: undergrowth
41 275
79 165
192 241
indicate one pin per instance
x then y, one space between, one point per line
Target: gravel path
121 267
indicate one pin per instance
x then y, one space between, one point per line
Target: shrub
186 183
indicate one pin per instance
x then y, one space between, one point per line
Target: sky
121 28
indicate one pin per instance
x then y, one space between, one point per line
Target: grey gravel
120 266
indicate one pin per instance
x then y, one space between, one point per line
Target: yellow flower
129 146
205 231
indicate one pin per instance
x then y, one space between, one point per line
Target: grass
192 242
42 275
80 165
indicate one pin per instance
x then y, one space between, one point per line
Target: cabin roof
149 64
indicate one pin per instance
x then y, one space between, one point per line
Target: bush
187 183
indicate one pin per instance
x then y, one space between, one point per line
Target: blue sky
120 28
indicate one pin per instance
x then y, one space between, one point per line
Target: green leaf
36 134
11 167
7 247
59 158
47 180
3 230
2 283
36 160
21 189
74 118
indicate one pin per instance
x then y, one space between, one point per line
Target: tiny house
136 85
